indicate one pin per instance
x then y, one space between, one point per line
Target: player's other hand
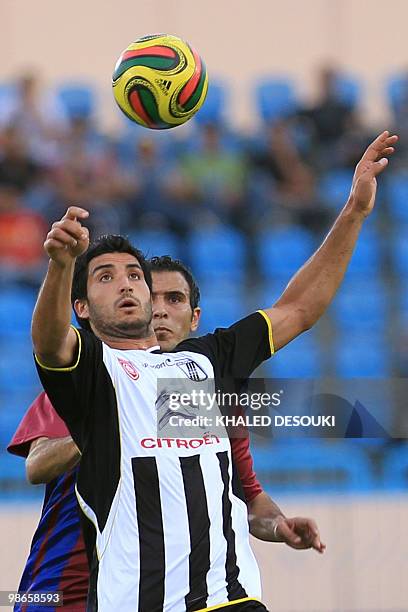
373 162
67 239
299 533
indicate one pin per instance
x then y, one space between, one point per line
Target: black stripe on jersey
234 588
199 526
151 535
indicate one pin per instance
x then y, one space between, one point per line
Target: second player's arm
49 458
314 286
267 522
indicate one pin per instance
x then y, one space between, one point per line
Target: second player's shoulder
202 345
253 326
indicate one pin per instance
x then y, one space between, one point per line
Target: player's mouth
162 330
128 303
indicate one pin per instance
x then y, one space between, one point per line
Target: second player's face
119 302
173 318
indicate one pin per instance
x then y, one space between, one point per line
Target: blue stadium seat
282 252
161 242
361 304
301 358
8 101
13 483
362 355
397 192
313 466
8 425
218 252
77 99
213 109
16 310
11 467
399 254
402 305
268 293
335 187
367 257
17 369
275 98
396 88
348 90
395 469
222 305
16 401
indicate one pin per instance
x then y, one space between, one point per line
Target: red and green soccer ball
159 81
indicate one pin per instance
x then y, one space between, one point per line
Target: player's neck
130 344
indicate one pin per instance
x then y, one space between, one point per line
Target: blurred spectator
216 179
337 137
90 181
38 115
156 194
22 234
17 168
399 107
288 195
81 134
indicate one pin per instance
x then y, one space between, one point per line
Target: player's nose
159 309
125 285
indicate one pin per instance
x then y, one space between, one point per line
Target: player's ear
195 319
81 309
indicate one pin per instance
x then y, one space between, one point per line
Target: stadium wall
240 41
363 569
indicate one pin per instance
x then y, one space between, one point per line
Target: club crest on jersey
129 368
191 369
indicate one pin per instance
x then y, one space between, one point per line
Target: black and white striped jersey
170 526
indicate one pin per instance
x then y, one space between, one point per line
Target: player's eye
105 277
175 299
134 276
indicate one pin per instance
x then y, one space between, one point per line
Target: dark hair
111 243
166 264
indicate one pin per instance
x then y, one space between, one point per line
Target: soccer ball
159 81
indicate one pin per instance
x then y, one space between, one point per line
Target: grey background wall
239 40
362 570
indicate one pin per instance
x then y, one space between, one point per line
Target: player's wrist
353 211
275 529
63 265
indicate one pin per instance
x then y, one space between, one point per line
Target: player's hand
373 162
67 238
299 533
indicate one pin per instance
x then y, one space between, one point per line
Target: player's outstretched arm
267 522
314 286
53 339
48 459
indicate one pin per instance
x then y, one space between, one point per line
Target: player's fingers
388 151
74 212
51 244
306 527
84 233
74 228
379 166
376 148
368 172
58 235
288 535
318 545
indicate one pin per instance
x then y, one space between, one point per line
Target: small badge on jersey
129 368
191 369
